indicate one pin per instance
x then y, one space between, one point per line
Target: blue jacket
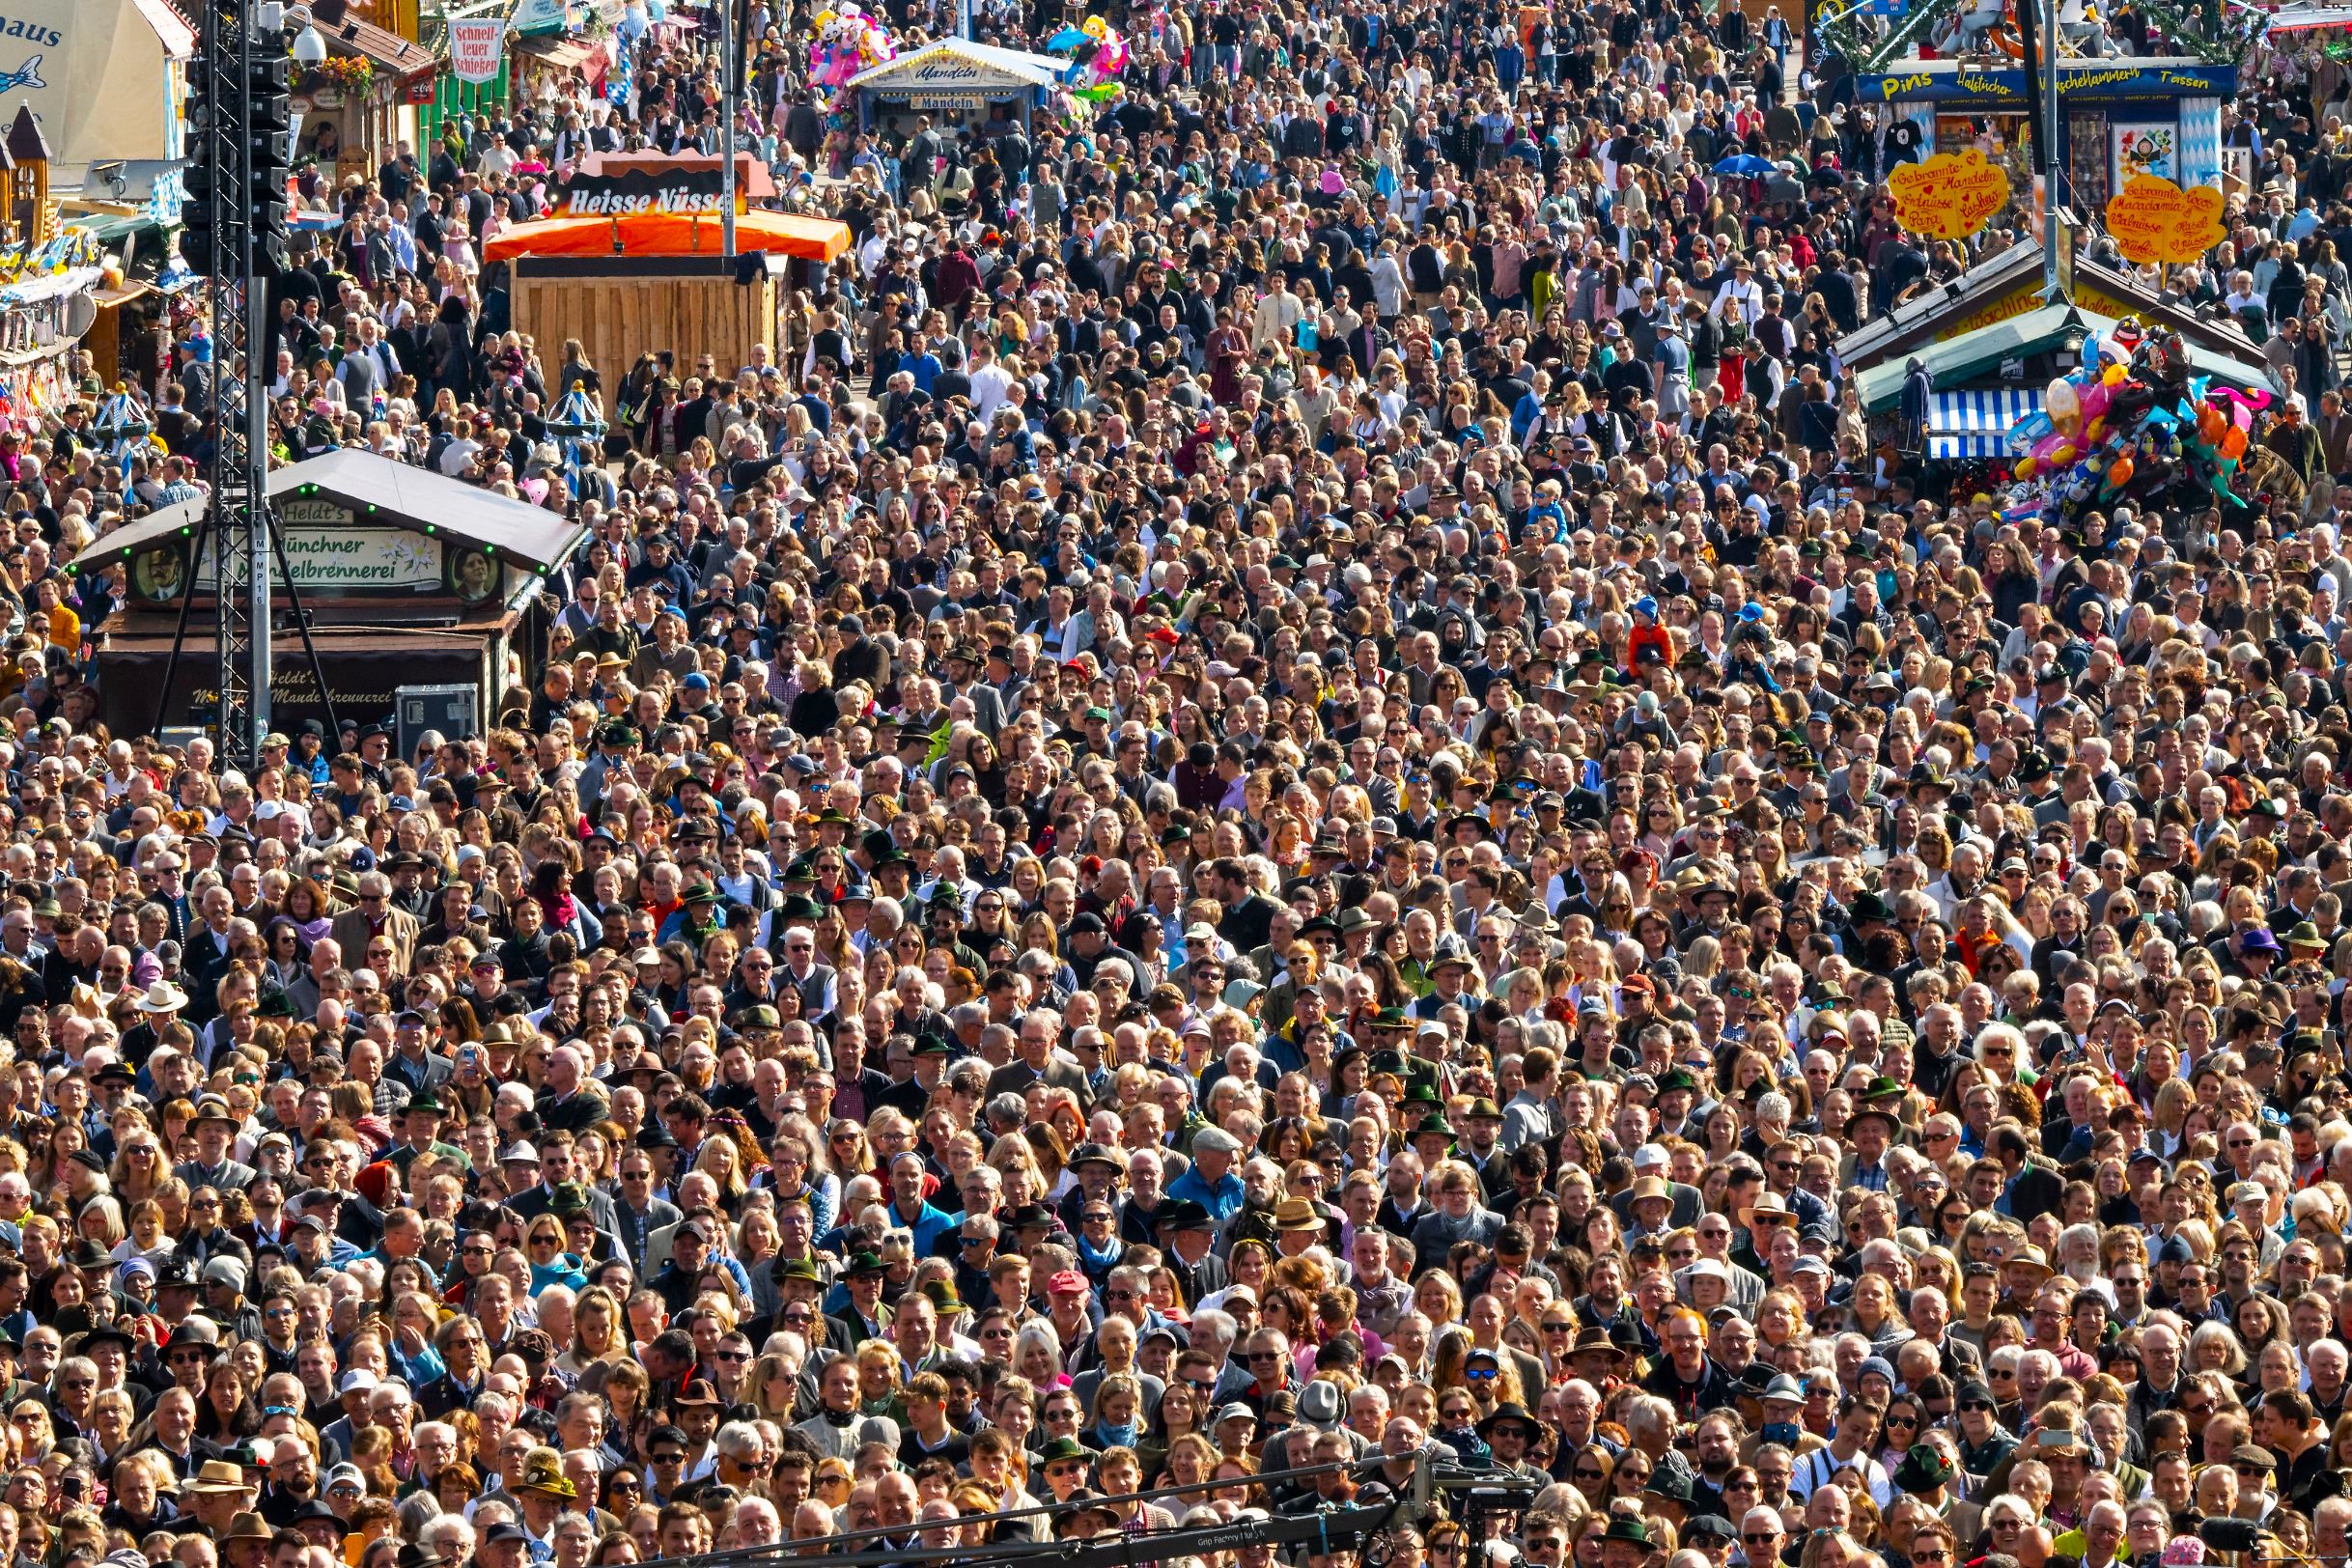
1223 1199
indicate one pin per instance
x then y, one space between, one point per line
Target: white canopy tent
103 77
955 81
957 66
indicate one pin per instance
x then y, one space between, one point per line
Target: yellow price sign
2154 220
1949 197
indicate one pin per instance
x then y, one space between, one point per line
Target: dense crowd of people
1299 796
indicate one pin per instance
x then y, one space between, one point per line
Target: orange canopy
672 234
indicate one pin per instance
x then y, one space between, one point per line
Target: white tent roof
400 493
2302 18
959 65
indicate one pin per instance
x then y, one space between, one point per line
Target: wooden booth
955 84
621 283
1987 337
411 579
351 112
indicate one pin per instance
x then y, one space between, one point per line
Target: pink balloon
2046 452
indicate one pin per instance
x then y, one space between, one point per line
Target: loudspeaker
456 711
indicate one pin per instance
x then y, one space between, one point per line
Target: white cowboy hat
163 997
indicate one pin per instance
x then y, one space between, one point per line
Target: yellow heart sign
2155 220
1949 197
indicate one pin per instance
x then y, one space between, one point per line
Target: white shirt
1749 296
990 383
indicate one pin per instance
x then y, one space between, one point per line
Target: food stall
2160 117
954 83
619 283
1991 341
2010 284
409 578
352 112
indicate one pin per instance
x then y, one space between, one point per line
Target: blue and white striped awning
1974 424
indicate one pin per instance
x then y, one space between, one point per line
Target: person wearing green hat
1677 1092
863 1279
1432 1137
893 878
943 923
801 1286
1625 1542
697 919
933 1049
420 1126
1063 1463
1480 1140
759 1022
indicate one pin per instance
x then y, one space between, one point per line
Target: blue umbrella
1744 163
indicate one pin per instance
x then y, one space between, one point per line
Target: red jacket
1652 635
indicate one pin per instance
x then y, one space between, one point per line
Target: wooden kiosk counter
620 283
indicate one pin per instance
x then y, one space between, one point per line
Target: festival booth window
2120 118
355 109
954 84
409 578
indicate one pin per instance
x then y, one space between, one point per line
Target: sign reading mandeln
1949 197
2155 220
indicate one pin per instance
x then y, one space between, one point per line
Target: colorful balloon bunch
2131 423
1097 54
843 41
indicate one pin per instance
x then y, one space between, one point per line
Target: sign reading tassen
2077 83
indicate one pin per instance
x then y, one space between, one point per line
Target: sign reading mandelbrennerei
326 550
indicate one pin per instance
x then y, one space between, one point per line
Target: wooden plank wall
618 318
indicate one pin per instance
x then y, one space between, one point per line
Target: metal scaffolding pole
240 145
240 542
730 82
